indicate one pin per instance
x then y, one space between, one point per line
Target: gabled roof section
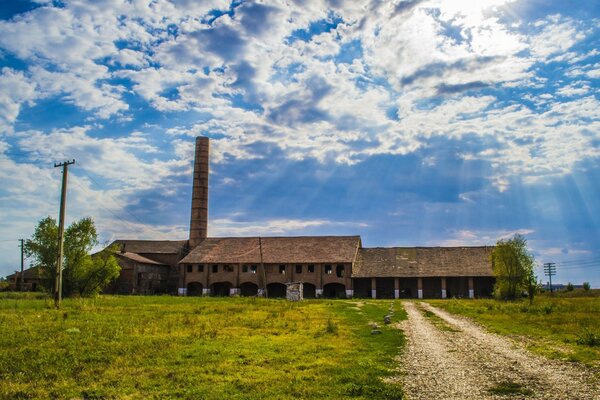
28 273
276 250
423 262
137 258
151 246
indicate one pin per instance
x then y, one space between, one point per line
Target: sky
409 123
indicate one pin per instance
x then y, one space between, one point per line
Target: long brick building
328 266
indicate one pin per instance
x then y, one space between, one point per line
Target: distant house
31 280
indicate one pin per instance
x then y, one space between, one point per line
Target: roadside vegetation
513 267
83 274
209 348
562 326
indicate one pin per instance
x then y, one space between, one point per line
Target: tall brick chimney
199 220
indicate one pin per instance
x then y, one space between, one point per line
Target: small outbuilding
294 291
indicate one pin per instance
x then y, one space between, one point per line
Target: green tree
83 274
513 268
586 286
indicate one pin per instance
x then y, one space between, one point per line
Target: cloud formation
123 86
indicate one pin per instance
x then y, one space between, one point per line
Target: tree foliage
83 274
513 268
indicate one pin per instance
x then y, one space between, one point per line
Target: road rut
457 359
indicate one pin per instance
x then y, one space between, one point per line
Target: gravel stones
465 363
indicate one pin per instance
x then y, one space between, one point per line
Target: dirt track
457 359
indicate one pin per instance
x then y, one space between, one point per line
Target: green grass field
565 327
196 348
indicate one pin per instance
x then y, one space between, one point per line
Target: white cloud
574 89
479 237
229 227
434 52
15 90
114 159
557 35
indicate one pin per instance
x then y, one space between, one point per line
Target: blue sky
410 123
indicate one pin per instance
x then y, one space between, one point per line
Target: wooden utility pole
22 262
262 269
549 271
61 232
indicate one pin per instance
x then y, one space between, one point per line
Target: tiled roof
28 273
422 262
284 250
151 246
137 258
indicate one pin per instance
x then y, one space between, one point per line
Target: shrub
331 328
570 287
586 286
588 338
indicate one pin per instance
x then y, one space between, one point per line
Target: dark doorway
385 288
457 287
362 288
248 289
276 290
220 289
334 291
310 291
484 286
432 288
194 289
408 288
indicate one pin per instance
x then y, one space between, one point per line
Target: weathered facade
147 266
31 280
248 265
327 266
431 272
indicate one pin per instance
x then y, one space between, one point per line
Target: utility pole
61 232
262 269
22 262
549 271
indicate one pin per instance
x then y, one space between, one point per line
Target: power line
581 267
580 263
124 211
580 260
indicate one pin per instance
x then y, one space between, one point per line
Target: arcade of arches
380 288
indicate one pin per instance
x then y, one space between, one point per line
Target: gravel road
457 359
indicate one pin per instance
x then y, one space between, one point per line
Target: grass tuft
588 338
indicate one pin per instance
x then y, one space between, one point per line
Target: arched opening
220 289
276 290
334 291
194 289
309 291
248 289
